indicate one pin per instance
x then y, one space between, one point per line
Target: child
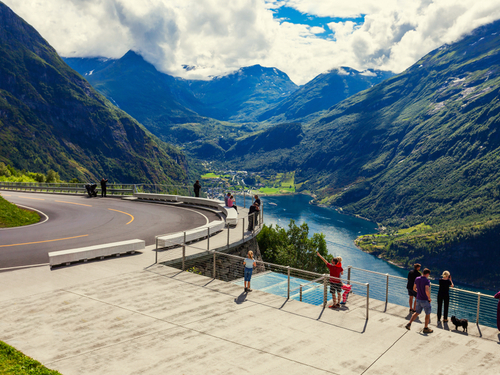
339 262
249 264
347 289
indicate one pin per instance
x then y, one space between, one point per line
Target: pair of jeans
446 300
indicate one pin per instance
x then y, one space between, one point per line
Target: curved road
77 221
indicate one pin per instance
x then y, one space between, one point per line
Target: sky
199 39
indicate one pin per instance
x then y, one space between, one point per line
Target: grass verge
13 362
13 216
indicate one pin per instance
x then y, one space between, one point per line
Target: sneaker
332 306
445 320
342 303
246 290
428 330
249 290
408 326
337 305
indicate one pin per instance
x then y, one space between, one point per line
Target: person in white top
249 264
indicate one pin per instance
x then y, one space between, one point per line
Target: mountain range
228 106
417 152
51 118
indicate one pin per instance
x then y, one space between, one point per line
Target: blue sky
287 14
302 38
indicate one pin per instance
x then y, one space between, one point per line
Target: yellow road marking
125 214
6 195
38 199
57 239
80 204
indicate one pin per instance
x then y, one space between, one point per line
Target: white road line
31 225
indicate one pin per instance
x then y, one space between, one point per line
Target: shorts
423 305
248 273
335 288
412 293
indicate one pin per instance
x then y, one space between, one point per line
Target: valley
416 152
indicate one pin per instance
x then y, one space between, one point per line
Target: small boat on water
272 204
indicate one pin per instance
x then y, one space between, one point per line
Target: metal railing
282 281
173 250
72 188
476 307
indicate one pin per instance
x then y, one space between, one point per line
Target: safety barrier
96 251
480 308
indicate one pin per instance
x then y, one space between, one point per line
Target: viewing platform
127 315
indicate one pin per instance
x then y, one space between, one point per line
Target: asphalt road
77 221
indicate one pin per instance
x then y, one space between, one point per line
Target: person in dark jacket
197 187
257 200
445 284
253 215
412 275
103 187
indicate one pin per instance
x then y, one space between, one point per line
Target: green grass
13 216
13 362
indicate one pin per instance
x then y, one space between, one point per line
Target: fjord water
340 232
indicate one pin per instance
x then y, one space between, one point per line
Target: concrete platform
127 316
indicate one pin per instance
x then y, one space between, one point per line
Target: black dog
460 323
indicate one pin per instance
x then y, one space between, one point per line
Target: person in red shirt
335 282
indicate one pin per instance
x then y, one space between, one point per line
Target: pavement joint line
178 325
381 355
23 267
264 304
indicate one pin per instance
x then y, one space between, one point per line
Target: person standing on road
445 284
423 288
335 283
103 187
249 264
197 187
412 275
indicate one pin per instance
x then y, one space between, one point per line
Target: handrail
306 284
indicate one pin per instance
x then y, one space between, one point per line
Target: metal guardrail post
215 265
478 306
300 298
386 290
156 252
228 229
262 215
244 200
325 290
243 230
288 290
208 239
349 275
367 299
184 253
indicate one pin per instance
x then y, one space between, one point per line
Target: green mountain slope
51 118
420 147
324 91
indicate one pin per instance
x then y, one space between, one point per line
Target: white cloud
218 36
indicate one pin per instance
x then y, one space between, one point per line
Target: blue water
340 232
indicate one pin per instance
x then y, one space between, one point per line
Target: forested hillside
51 118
